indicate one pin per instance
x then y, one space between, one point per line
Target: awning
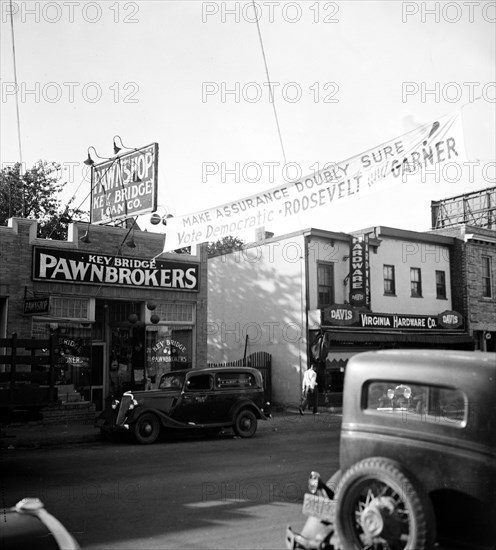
446 337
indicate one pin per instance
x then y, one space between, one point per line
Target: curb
36 435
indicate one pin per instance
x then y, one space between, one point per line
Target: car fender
246 404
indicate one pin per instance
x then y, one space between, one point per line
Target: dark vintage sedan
209 399
417 456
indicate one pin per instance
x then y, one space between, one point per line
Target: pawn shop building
121 311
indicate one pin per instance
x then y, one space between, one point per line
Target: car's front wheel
146 429
245 423
379 507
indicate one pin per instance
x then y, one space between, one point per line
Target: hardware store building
342 293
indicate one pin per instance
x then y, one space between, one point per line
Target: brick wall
471 244
16 245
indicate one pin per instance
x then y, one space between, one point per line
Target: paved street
189 492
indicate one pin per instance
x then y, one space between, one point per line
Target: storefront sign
37 306
72 353
341 315
359 272
450 319
424 149
168 350
125 186
101 269
380 320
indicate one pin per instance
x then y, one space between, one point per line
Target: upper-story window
416 282
389 280
325 283
486 277
440 284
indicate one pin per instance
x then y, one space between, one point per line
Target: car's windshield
171 381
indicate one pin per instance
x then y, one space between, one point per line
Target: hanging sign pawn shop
125 186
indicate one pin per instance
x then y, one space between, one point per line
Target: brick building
474 287
470 219
122 311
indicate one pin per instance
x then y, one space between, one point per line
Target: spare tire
379 507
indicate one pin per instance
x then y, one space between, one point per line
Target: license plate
319 507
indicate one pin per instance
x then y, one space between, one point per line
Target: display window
168 348
75 371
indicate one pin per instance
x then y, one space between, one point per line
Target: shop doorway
127 359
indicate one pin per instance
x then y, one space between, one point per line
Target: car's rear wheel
146 429
379 507
245 423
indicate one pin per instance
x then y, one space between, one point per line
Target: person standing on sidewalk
309 387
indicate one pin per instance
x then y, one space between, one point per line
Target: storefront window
168 348
73 365
70 308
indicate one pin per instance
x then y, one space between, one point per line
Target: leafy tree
224 246
34 195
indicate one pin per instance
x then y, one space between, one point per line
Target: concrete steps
67 393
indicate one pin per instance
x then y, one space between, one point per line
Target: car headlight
313 482
115 404
132 404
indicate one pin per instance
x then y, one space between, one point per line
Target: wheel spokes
383 504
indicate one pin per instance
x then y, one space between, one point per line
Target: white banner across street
420 151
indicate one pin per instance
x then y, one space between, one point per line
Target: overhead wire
17 101
271 93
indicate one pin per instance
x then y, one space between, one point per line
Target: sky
190 76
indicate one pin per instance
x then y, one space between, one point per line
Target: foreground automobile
29 525
209 399
417 456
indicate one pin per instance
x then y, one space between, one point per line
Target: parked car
29 525
210 398
417 456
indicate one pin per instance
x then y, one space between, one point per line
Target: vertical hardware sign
125 186
359 272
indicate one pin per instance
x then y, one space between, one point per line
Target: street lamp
89 161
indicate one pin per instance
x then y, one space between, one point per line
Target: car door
233 386
197 403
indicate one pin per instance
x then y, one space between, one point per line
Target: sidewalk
36 434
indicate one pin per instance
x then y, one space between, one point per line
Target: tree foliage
224 246
34 194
